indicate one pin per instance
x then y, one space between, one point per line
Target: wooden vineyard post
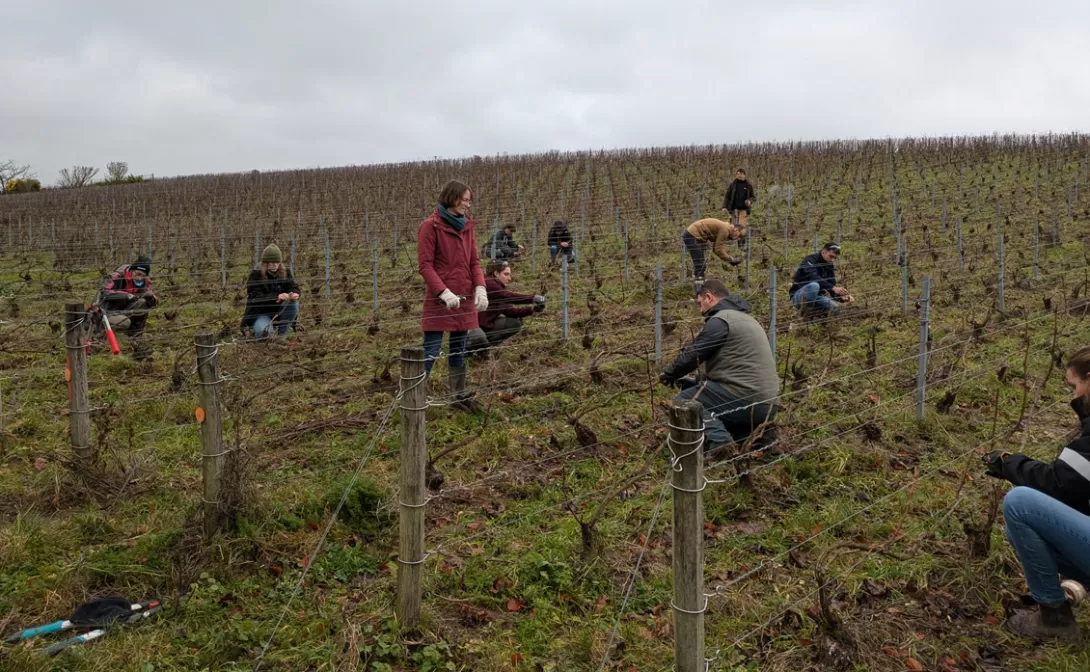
208 415
686 442
411 554
79 406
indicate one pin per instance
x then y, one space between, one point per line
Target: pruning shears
94 617
99 632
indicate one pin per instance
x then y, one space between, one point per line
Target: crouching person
126 298
1048 520
739 390
506 310
272 297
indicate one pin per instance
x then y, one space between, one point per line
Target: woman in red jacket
454 284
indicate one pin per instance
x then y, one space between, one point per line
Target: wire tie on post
414 562
415 506
692 613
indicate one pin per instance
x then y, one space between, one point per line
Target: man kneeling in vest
739 390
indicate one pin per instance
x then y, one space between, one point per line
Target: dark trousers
480 340
726 418
695 246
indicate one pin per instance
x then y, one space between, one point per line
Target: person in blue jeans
560 241
272 297
1048 518
813 288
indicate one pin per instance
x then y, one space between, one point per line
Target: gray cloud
239 84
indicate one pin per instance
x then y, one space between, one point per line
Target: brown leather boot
1046 622
463 401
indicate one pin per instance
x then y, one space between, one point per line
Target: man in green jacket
740 390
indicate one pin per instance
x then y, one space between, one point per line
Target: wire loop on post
693 613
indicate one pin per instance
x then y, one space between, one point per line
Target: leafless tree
77 176
116 171
10 170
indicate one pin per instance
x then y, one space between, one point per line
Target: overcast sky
196 86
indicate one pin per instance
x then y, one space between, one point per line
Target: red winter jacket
448 260
503 302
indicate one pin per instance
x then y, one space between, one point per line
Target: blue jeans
814 299
568 251
284 321
433 344
1050 538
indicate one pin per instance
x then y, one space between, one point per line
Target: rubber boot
1046 622
463 401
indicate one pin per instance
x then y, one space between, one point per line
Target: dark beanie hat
142 263
272 254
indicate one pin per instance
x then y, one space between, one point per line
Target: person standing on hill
1047 517
454 284
710 232
272 297
739 199
740 391
506 310
126 297
560 241
815 282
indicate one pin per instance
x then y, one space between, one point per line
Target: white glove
480 298
448 297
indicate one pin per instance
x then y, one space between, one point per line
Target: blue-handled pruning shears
152 608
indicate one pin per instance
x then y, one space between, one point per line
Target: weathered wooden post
686 438
411 556
79 405
209 417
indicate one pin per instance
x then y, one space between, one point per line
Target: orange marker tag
199 413
67 374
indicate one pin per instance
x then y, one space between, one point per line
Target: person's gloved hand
685 382
665 379
150 300
993 463
450 299
480 298
539 303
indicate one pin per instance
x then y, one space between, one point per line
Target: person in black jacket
739 199
815 281
1048 518
560 241
272 297
502 245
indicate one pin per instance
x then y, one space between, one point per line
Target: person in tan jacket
715 233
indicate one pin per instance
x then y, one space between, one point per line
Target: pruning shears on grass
95 614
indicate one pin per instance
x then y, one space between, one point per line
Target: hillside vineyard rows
864 538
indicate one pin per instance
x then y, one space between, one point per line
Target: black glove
665 380
993 463
685 382
150 300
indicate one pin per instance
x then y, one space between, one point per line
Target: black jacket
728 200
814 269
506 247
711 338
1068 478
262 292
559 234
